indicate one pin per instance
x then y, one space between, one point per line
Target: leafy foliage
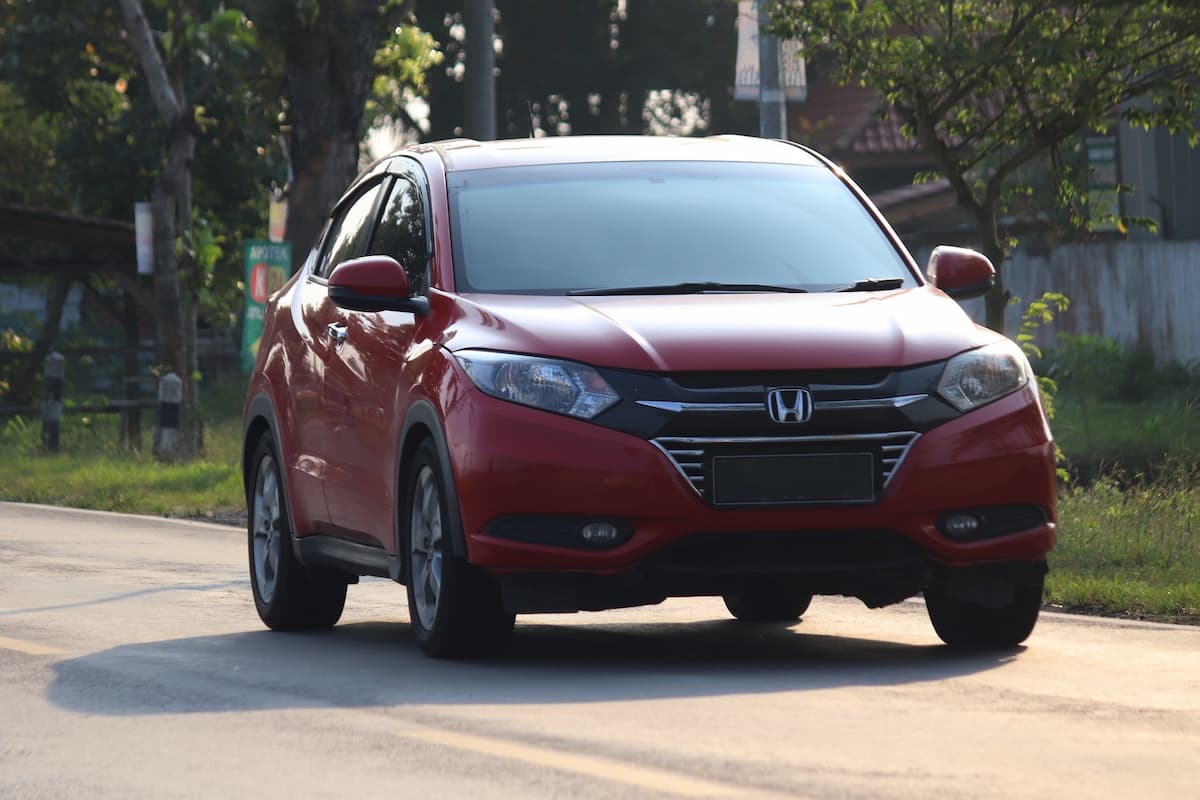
1038 313
11 342
29 141
76 117
1099 368
401 64
989 86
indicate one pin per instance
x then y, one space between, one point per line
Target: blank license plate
777 479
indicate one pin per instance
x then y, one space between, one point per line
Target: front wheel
287 595
968 623
455 608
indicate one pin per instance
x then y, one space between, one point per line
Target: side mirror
959 272
374 283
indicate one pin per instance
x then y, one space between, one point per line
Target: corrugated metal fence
1146 295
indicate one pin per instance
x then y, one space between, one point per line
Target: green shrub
1097 368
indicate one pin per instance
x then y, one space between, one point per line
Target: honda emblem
789 405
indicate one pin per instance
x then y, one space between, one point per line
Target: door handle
336 331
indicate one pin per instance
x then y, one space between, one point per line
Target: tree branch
141 39
939 150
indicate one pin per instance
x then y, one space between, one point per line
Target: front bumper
514 461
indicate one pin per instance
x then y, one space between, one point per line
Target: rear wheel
767 605
455 608
968 623
287 595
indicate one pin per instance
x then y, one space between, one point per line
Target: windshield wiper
872 285
687 288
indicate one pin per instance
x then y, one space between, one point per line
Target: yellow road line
592 766
29 648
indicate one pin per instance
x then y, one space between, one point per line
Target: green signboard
1103 199
268 267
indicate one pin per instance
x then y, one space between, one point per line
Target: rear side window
349 233
401 233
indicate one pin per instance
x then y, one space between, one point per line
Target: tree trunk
996 300
131 418
175 319
21 391
330 67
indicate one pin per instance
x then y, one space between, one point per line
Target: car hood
719 332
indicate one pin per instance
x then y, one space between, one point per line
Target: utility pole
480 80
772 108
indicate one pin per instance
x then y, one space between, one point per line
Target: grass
1130 548
1100 436
91 471
1129 524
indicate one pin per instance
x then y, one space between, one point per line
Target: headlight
559 386
978 377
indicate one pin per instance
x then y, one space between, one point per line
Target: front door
324 326
368 377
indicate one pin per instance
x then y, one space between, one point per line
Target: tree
171 209
329 49
988 87
88 101
78 112
188 36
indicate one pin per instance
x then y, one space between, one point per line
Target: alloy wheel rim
425 547
266 528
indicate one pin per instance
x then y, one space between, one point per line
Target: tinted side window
401 233
349 233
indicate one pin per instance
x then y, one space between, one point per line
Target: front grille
693 456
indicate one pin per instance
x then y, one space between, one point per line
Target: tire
965 624
767 605
455 609
287 595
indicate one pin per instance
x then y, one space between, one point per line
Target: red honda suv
585 373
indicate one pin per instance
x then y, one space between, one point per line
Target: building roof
75 230
909 193
849 120
94 244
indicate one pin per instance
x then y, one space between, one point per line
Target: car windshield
564 228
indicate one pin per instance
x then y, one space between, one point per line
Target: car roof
468 154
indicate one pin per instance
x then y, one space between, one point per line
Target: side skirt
353 557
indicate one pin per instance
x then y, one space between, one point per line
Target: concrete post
54 370
166 431
772 107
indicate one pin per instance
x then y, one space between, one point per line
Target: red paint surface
375 276
340 408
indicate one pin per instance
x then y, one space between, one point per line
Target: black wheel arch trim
260 407
423 414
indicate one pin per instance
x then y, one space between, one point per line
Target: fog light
599 533
961 525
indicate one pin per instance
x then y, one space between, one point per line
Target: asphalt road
132 665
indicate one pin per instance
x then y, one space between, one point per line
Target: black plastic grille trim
692 455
